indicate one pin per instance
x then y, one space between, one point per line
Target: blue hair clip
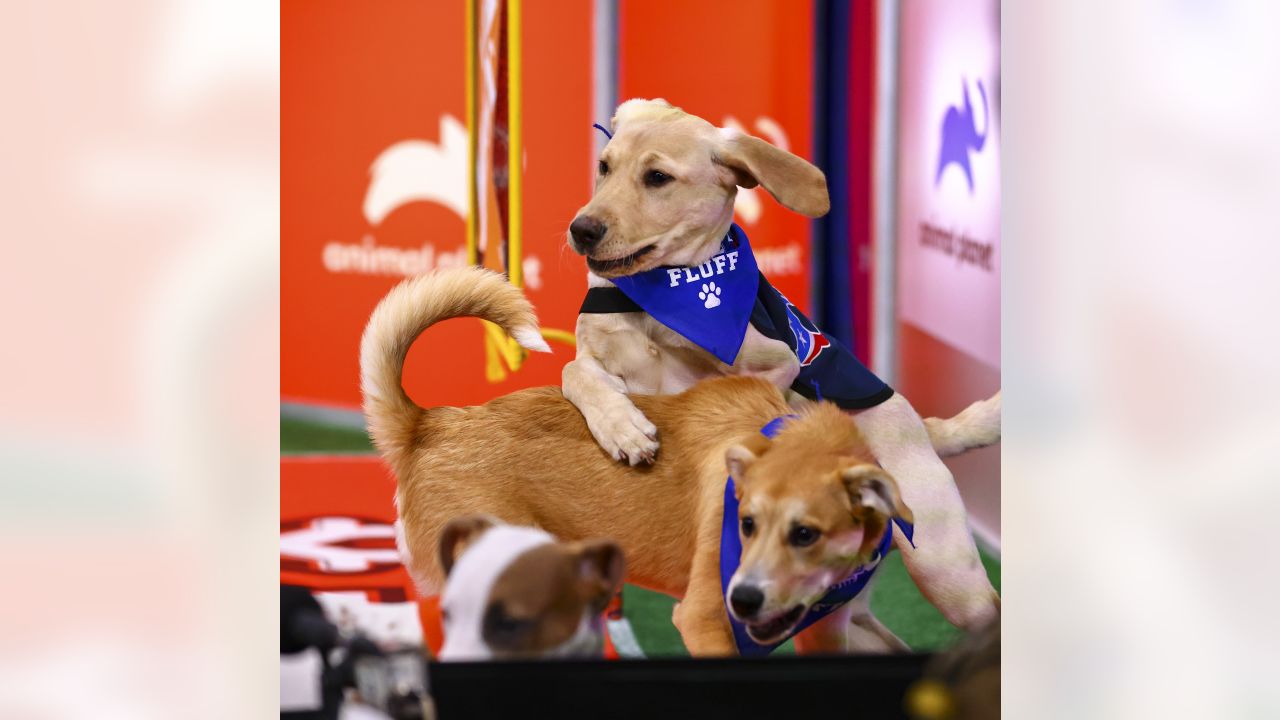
600 127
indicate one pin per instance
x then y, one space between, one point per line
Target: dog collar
836 596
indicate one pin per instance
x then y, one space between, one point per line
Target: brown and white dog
517 592
528 459
664 196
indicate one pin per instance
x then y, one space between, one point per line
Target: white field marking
624 638
317 542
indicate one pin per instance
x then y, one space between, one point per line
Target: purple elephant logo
960 135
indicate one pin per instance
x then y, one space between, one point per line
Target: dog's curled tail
410 308
976 426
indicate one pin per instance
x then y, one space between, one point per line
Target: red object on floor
432 624
612 612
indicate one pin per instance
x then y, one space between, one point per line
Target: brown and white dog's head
812 507
517 592
665 186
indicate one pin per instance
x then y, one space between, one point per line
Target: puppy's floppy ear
791 180
600 567
870 487
459 534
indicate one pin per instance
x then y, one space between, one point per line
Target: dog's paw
627 435
710 295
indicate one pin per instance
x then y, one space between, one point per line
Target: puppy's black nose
746 600
587 232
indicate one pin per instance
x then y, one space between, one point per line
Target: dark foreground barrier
778 687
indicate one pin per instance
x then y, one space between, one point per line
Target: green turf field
895 599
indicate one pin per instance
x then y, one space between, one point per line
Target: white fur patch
530 339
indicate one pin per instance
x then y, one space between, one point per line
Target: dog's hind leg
944 562
849 629
868 634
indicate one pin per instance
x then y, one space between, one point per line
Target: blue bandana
839 594
711 304
712 319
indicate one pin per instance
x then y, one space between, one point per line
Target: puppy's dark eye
803 536
603 168
656 178
498 623
748 526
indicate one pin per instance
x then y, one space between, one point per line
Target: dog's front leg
944 563
701 616
615 422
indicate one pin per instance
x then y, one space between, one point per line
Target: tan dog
517 592
528 459
664 197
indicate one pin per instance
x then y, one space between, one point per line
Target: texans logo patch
810 342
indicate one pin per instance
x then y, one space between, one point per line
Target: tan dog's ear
871 487
601 568
460 533
791 180
739 457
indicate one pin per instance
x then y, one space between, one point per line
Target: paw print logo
710 295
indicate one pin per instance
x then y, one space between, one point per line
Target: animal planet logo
414 171
417 170
810 342
960 135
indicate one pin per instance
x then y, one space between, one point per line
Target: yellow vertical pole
515 149
473 136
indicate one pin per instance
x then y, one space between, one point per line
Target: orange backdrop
373 165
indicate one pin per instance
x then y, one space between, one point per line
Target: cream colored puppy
664 197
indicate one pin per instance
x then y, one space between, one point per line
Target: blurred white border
1142 181
139 432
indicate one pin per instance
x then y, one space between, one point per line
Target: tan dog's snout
586 233
746 600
